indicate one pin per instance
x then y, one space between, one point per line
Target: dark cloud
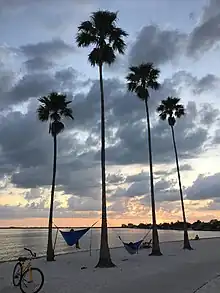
135 189
51 49
156 45
84 204
43 55
206 34
204 187
140 187
132 148
38 210
115 179
208 114
198 86
126 140
38 64
206 83
29 165
138 177
184 167
37 84
33 193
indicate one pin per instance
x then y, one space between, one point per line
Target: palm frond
103 20
43 113
102 32
141 78
67 112
104 55
116 39
163 115
161 107
53 108
171 109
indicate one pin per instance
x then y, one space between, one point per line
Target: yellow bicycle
26 276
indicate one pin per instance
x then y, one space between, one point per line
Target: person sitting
197 237
77 242
147 244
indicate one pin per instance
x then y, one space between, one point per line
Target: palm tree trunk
104 255
155 237
186 244
50 249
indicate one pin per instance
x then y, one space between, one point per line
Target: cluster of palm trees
107 40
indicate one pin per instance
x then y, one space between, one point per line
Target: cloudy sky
38 54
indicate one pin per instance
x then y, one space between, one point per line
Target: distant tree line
213 225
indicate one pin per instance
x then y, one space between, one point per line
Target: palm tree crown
102 32
141 78
172 109
53 107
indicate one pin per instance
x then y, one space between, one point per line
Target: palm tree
102 33
140 79
171 109
53 108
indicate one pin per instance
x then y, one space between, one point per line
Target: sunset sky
38 54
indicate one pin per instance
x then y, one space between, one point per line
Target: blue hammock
71 237
133 247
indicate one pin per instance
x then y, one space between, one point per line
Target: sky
38 54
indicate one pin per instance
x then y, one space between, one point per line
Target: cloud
206 83
50 49
140 187
198 86
43 55
190 138
204 187
115 178
36 84
156 45
84 204
38 64
33 193
184 167
29 165
206 34
208 114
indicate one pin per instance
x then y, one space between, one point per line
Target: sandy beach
176 271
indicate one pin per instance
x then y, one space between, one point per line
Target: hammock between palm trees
133 247
72 237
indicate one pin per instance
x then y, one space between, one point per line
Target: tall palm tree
171 110
53 108
140 79
101 32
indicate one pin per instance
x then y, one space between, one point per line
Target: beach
176 271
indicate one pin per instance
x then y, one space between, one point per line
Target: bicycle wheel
17 273
35 284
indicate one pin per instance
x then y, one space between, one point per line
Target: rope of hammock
145 236
58 229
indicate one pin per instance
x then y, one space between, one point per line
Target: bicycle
23 274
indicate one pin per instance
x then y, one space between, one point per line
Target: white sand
176 271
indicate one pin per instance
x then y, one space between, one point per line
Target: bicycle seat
22 258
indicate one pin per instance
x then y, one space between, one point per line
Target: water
13 241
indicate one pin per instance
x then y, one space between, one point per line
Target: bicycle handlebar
29 250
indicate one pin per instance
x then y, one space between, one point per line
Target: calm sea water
13 241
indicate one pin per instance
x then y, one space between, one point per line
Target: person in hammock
77 242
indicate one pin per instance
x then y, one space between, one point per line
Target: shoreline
111 248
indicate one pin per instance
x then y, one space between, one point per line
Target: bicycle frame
26 265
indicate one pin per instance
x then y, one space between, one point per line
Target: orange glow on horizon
86 222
